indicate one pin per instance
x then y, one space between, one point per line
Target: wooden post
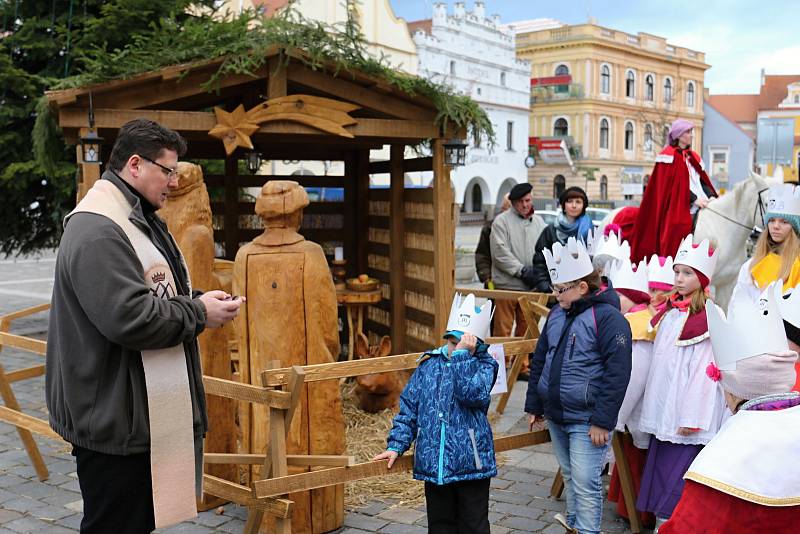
626 480
443 238
397 274
351 235
89 172
276 82
362 209
231 206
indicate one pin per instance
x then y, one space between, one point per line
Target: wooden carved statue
290 314
377 391
188 217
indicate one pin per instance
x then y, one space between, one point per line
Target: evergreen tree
42 41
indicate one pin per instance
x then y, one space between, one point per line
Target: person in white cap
443 409
746 479
680 408
579 372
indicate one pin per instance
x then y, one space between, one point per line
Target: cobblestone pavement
519 497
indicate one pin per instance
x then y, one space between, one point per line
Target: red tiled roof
424 25
774 90
737 108
711 103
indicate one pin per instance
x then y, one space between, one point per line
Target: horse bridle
758 210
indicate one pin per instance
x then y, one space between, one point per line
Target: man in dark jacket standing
483 252
123 378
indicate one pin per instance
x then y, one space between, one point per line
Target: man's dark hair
146 138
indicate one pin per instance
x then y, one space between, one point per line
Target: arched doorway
604 187
477 198
559 185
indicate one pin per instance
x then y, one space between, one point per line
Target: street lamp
455 152
253 161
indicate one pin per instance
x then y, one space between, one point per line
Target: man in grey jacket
113 323
513 240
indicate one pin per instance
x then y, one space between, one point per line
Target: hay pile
366 436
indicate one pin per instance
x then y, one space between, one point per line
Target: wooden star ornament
234 129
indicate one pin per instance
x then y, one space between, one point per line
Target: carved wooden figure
290 315
188 217
377 391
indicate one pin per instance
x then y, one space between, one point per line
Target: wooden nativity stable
291 111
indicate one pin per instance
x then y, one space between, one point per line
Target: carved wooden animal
377 391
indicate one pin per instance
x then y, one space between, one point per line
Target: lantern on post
91 143
253 161
455 152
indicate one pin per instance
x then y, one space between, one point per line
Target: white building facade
476 56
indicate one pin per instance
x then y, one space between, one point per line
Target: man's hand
598 435
535 420
701 203
468 342
220 307
387 455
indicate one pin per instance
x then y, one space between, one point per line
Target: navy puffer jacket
582 363
444 407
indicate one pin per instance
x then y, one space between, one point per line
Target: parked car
597 215
548 216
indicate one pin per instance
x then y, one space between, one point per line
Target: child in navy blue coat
579 373
444 409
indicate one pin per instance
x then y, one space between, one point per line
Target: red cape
664 219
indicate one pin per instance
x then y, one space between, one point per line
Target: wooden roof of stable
174 97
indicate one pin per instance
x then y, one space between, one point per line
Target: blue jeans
581 466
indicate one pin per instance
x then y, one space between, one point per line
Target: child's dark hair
593 280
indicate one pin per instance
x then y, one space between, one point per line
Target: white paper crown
611 247
464 317
593 238
749 330
788 305
567 263
696 257
623 276
658 273
784 198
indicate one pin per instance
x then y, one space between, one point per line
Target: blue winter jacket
582 363
444 408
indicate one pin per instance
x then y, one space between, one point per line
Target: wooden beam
358 94
399 362
409 165
243 496
338 475
443 238
6 319
231 224
396 252
23 374
276 82
25 343
246 392
502 294
304 460
28 422
362 209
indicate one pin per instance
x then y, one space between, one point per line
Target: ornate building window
667 91
628 135
559 185
648 137
649 84
630 84
604 134
690 95
604 187
561 127
605 80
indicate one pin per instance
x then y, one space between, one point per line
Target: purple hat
678 128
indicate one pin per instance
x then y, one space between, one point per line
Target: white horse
728 222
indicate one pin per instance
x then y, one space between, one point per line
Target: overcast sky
739 37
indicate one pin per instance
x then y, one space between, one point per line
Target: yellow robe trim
740 493
768 270
640 325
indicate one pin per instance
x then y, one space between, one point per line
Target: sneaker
561 520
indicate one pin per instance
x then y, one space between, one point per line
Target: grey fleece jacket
102 315
513 243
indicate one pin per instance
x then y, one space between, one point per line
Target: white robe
631 409
678 391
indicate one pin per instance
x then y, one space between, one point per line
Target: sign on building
775 141
632 180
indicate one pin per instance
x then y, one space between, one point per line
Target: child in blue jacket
579 373
443 408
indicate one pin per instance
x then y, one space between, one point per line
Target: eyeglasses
170 173
563 289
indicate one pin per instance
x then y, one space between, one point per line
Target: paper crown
699 257
788 305
465 317
784 198
660 274
567 263
610 247
623 276
749 330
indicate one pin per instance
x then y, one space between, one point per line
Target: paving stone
72 485
8 515
52 513
553 529
75 506
234 526
522 523
23 504
500 483
394 528
31 524
352 531
35 490
548 503
536 490
407 516
186 528
497 529
372 508
71 521
509 496
494 517
211 519
62 498
364 522
523 475
6 496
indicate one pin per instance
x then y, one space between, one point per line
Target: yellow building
610 96
780 100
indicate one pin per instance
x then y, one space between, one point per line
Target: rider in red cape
678 187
